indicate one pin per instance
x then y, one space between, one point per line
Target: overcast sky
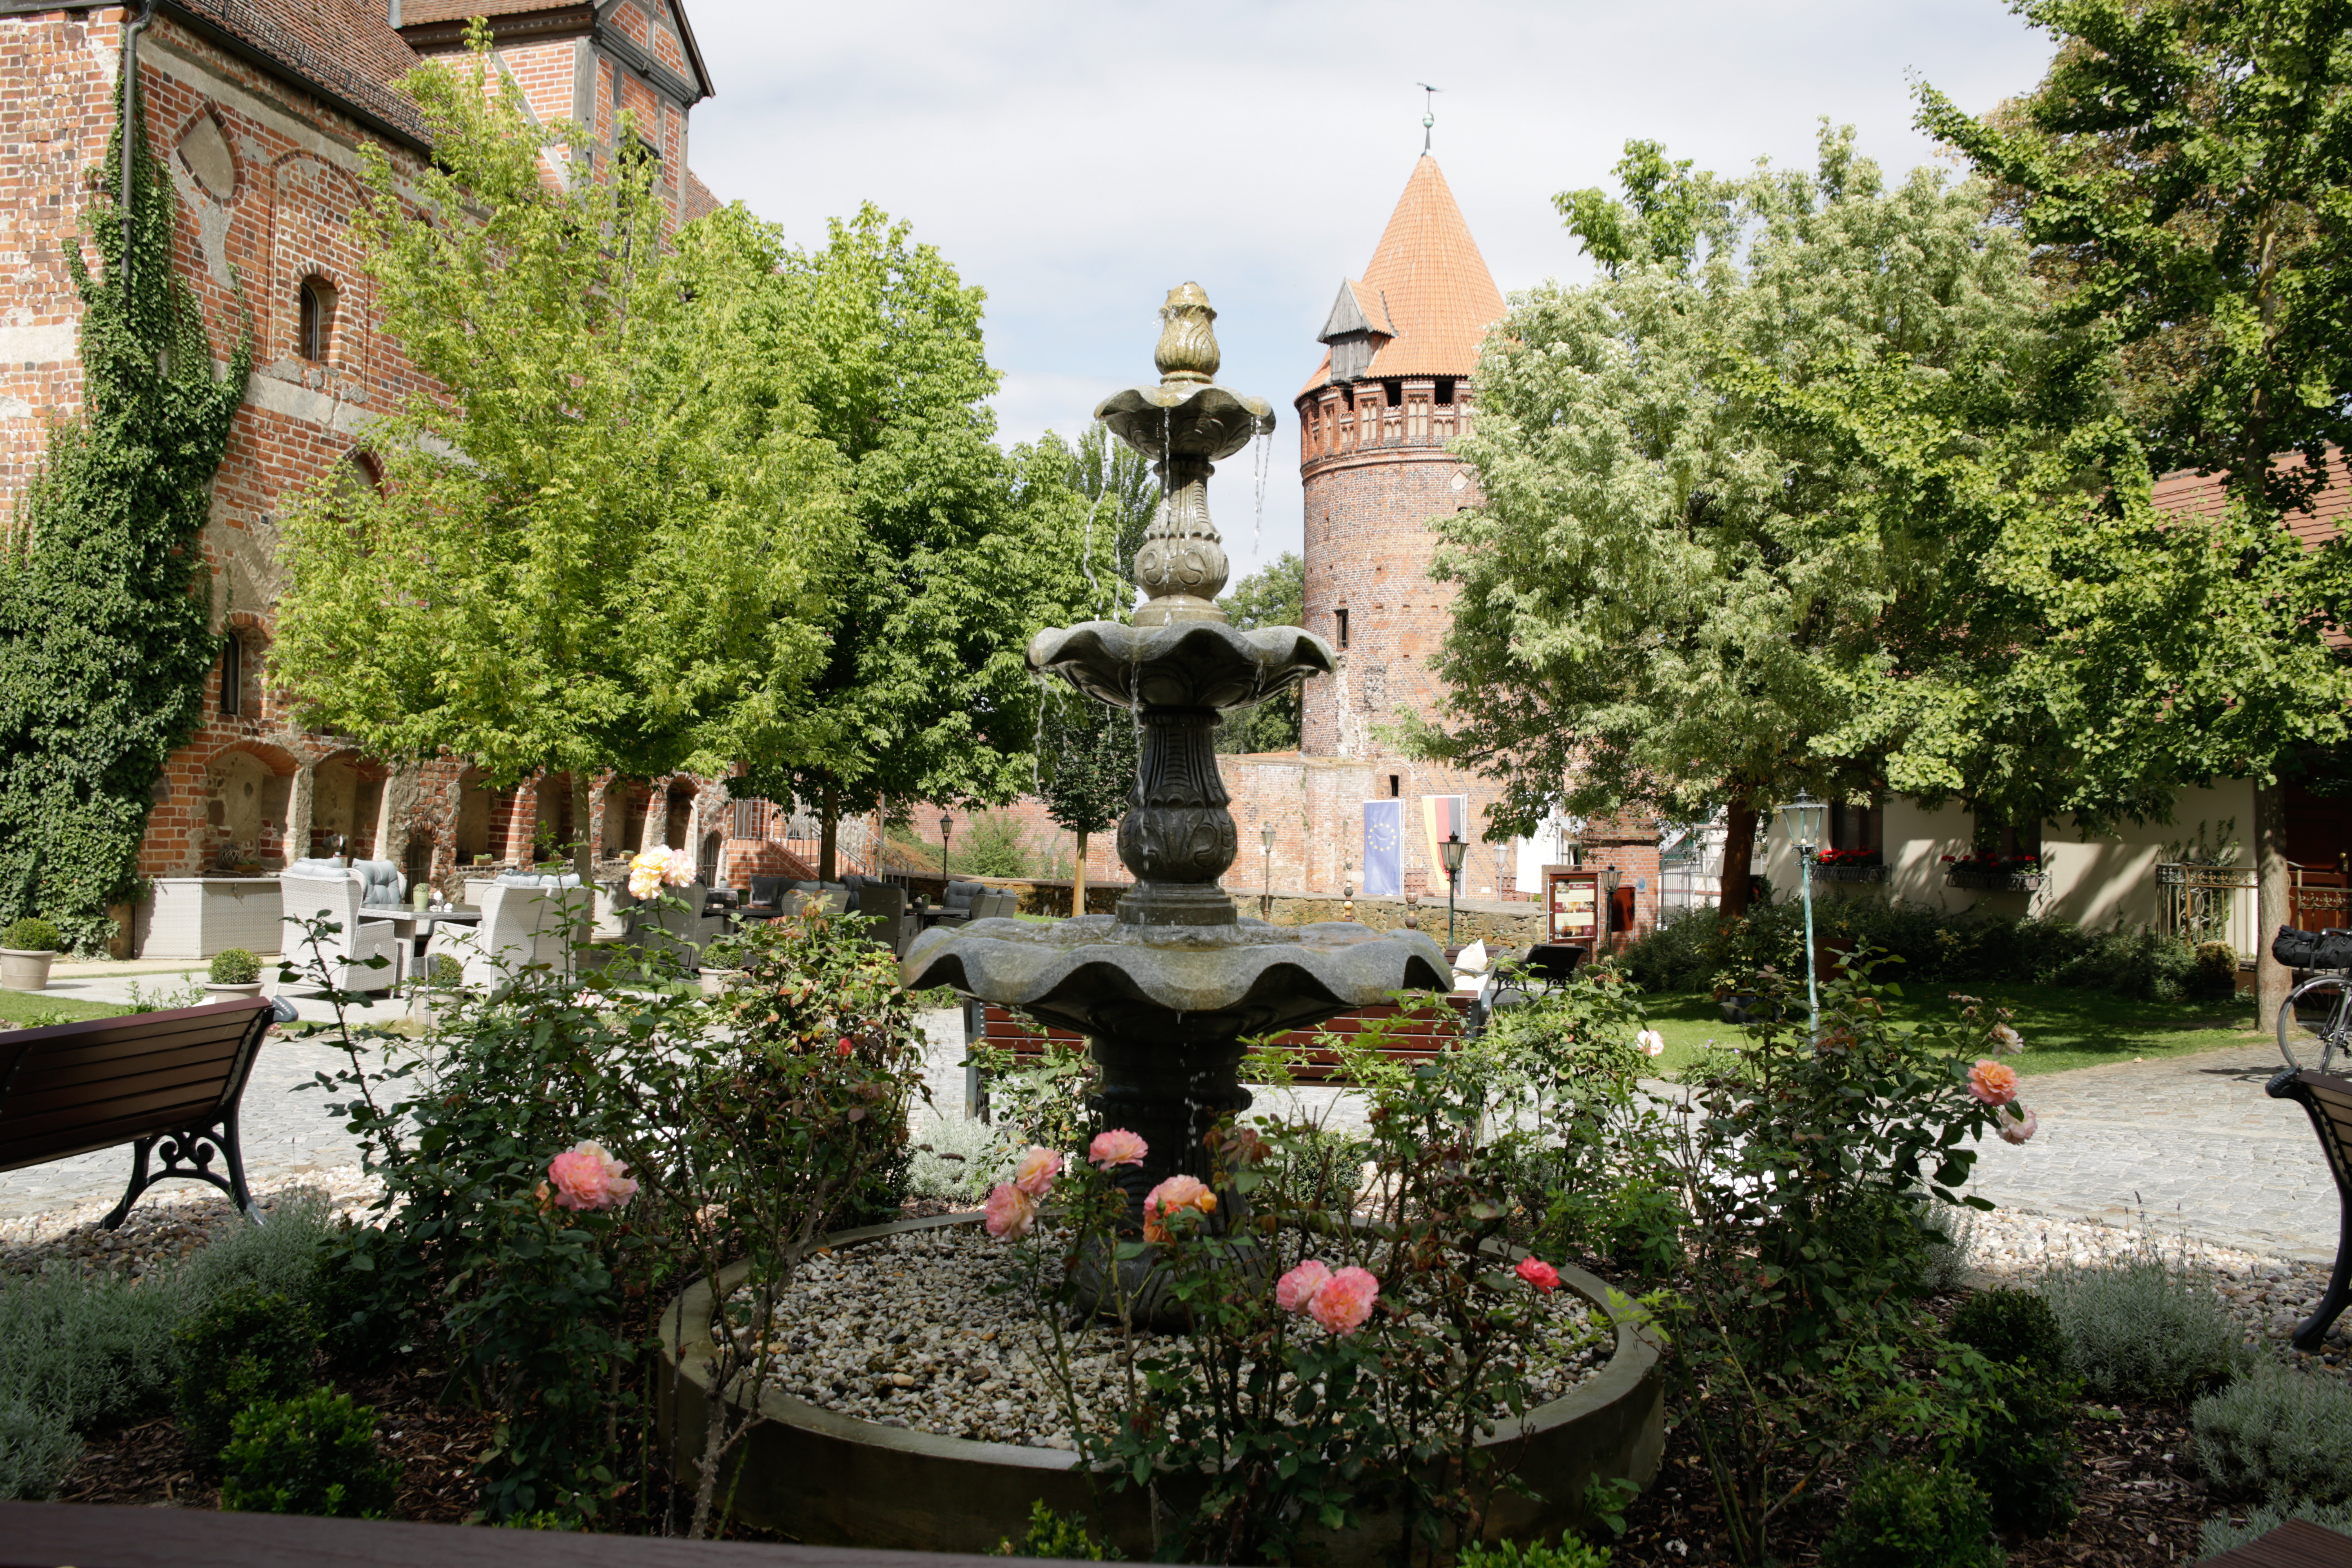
1078 159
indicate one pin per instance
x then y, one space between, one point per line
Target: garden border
833 1479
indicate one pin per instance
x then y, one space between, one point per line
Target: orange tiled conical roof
1428 274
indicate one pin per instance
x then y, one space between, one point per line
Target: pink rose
585 1177
1296 1289
1010 1211
2006 1040
1539 1274
1345 1301
1995 1083
2015 1123
842 1047
1117 1147
1036 1173
1170 1198
1653 1043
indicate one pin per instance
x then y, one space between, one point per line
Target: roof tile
347 47
1431 282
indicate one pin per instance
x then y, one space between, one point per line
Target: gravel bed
907 1331
165 1224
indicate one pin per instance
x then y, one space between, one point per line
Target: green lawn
2063 1027
32 1007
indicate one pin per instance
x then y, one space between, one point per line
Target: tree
958 551
606 541
1086 770
1662 609
1273 595
2182 170
1122 497
105 620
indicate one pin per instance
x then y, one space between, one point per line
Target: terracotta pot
24 969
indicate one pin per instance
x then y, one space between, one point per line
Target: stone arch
248 796
485 819
678 812
208 156
347 803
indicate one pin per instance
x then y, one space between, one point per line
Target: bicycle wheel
2315 1024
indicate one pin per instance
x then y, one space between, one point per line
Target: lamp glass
1452 851
946 822
1804 817
1265 836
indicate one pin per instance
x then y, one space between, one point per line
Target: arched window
232 690
315 331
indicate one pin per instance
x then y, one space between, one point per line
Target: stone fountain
1168 987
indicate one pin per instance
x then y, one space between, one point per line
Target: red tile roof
1429 275
2187 493
698 201
346 47
416 13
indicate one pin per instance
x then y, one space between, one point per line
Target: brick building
259 108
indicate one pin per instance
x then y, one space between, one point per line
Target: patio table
422 920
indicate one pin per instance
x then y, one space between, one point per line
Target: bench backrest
82 1086
1417 1036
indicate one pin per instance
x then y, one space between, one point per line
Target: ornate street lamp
946 823
1804 817
1450 852
1265 898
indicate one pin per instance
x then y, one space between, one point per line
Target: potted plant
234 973
26 950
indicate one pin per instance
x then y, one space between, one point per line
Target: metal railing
2210 903
802 835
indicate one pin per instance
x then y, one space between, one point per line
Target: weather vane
1429 115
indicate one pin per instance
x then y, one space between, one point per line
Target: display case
1575 903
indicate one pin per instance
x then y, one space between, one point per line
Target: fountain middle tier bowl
1185 664
1095 974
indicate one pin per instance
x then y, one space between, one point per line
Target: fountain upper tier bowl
1186 419
1095 975
1184 664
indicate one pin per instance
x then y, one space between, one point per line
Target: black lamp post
1265 897
1804 816
946 823
1452 851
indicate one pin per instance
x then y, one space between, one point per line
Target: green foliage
2216 974
1570 1553
2219 1535
2279 1433
1058 1535
2143 1328
608 531
995 846
1122 497
31 933
38 1447
2009 1325
243 1346
1908 1516
1273 595
235 967
1085 762
91 1352
448 973
313 1454
105 612
2009 1425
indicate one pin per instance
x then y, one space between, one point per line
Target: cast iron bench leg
2312 1332
189 1153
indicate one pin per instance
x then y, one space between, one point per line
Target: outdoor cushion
381 883
767 892
959 895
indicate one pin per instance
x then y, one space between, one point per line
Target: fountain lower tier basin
1101 977
834 1479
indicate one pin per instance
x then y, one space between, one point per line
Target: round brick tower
1373 423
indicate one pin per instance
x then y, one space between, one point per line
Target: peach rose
1995 1083
1653 1043
1117 1147
1170 1198
2016 1123
1345 1301
1010 1211
1036 1173
1539 1274
2006 1040
1296 1289
585 1177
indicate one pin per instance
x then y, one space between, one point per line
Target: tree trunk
1079 881
583 848
2271 978
1738 849
830 810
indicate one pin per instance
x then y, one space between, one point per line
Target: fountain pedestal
1168 987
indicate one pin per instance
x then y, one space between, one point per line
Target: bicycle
2314 1022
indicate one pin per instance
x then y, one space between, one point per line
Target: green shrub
283 1257
2012 1432
314 1454
1908 1516
2220 1535
1951 1234
2215 976
243 1346
1051 1534
2143 1328
235 967
2011 1325
446 973
1632 1225
2280 1433
33 934
38 1447
1570 1553
88 1351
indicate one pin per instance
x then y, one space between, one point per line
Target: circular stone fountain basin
834 1479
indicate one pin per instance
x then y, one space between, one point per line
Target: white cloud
1078 159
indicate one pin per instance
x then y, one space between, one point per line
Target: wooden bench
167 1084
2329 1101
1440 1024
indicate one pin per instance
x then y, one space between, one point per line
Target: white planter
24 969
715 981
217 993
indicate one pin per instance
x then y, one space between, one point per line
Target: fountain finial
1188 342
